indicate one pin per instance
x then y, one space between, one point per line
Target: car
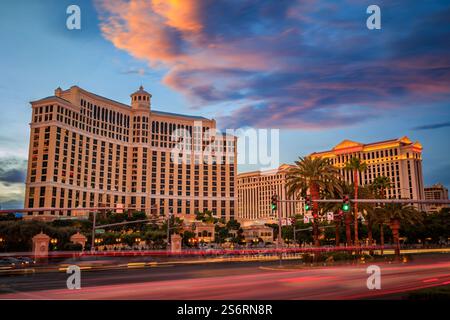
8 263
18 262
26 261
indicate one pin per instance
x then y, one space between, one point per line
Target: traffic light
308 205
345 204
274 202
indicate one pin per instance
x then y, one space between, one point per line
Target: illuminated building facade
398 159
255 190
89 151
436 192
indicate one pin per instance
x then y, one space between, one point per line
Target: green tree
396 214
187 235
368 210
205 216
315 175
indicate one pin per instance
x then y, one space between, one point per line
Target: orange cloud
179 14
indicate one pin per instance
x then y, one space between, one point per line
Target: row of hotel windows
68 198
268 179
102 121
68 176
374 155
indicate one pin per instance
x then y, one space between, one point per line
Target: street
241 280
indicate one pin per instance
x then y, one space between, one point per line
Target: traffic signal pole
93 231
279 234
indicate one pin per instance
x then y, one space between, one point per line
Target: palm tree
315 175
396 213
355 165
368 209
334 207
347 189
380 184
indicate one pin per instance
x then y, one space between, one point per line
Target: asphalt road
249 280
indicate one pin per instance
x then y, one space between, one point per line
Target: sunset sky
309 68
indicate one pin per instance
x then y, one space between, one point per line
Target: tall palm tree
380 184
396 213
347 189
315 175
368 210
334 207
355 165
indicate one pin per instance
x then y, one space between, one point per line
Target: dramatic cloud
433 126
286 63
12 178
12 170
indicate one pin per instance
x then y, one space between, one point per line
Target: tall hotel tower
398 159
90 151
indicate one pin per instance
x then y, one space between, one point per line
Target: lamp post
54 241
93 231
98 241
168 228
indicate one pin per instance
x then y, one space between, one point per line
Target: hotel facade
255 190
436 192
398 159
89 151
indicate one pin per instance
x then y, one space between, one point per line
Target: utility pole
93 231
280 238
295 242
279 229
168 229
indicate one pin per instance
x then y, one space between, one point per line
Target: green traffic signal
274 207
307 207
345 207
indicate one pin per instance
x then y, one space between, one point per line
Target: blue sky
309 68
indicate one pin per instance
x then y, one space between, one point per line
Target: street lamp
54 241
168 228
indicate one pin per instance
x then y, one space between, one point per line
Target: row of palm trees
321 180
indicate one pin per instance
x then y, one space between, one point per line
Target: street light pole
93 231
279 244
294 236
168 230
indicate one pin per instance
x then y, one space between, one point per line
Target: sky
311 69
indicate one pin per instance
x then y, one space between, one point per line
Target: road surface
252 280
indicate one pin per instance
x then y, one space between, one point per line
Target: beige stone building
204 232
88 151
398 159
255 232
436 192
255 190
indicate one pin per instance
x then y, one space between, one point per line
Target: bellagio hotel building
89 151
